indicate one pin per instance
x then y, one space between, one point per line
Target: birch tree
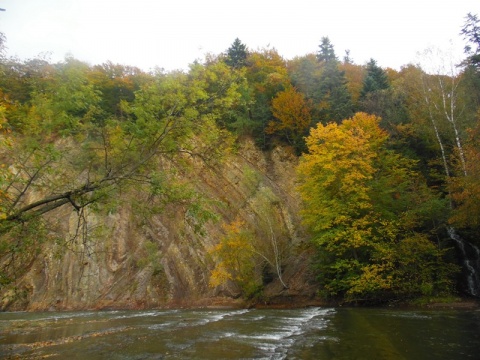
440 85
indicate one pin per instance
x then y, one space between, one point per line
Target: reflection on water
312 333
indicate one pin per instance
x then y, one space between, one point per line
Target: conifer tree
334 101
471 33
375 79
346 58
377 97
237 54
326 52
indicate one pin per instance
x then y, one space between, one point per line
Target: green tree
82 164
333 100
304 72
375 79
471 73
19 80
237 54
379 98
116 83
326 52
471 33
225 90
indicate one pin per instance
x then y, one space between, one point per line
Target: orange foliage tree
354 75
292 114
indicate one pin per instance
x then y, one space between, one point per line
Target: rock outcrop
149 260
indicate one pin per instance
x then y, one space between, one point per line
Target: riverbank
280 302
298 302
467 305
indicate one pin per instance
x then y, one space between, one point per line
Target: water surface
312 333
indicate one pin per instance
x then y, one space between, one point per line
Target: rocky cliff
157 259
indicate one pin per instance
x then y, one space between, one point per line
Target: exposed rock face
163 259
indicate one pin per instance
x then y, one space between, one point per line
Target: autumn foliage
234 257
362 203
292 113
465 190
378 195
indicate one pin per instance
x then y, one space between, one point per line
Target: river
310 333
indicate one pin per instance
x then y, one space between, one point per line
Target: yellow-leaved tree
234 257
364 205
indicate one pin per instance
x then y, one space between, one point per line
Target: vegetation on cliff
388 160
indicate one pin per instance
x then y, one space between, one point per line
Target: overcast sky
171 34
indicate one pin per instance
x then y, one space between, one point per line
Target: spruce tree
326 52
236 54
334 101
376 79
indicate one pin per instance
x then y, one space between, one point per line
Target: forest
388 160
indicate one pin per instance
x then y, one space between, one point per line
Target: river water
311 333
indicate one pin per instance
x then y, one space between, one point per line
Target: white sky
171 34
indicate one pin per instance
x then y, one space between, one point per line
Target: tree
267 75
237 54
326 52
375 79
116 83
334 101
20 80
377 97
440 86
224 90
235 260
3 46
471 74
252 254
272 241
304 73
358 198
292 116
354 74
81 164
465 190
471 33
346 58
